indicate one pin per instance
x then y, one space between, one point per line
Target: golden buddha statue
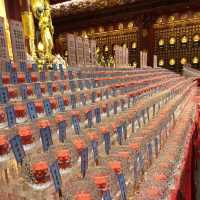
42 13
184 40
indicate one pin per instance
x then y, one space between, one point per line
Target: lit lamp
195 60
134 45
106 49
196 39
161 42
183 61
161 62
172 41
184 40
172 62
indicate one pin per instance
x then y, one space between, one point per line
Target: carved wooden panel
3 45
79 51
18 41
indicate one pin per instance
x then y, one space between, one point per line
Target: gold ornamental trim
176 23
113 33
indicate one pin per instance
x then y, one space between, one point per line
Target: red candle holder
79 145
4 145
66 101
34 77
14 67
64 158
30 90
93 136
83 196
20 112
39 108
12 93
6 79
21 78
26 135
40 172
65 86
101 181
3 120
115 166
29 67
54 87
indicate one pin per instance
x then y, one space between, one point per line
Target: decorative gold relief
161 62
196 38
160 20
130 25
172 40
84 34
196 14
172 62
161 42
183 61
195 60
134 45
171 19
184 40
120 26
184 16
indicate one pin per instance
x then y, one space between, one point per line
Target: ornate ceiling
76 6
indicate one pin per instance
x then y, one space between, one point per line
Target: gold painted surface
29 31
28 24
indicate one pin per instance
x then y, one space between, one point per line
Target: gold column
29 31
7 30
